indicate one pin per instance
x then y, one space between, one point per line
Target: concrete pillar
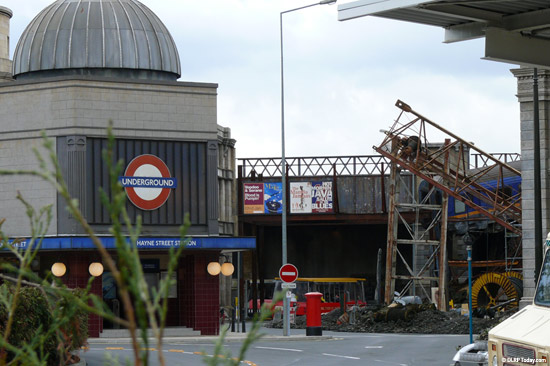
227 182
525 97
5 62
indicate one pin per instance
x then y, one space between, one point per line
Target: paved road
343 349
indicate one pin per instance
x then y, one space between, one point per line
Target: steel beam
391 247
530 21
361 8
418 278
515 48
464 32
462 12
423 242
443 242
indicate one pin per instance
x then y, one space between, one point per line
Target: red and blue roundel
147 182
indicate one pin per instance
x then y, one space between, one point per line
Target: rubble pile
425 320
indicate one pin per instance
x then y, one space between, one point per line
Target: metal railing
316 166
482 161
359 165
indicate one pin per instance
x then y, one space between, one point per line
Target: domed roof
119 38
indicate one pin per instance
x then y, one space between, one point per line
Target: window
542 296
460 207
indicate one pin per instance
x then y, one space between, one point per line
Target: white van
524 338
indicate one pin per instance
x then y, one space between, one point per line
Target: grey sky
341 78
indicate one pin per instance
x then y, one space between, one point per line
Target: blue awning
146 243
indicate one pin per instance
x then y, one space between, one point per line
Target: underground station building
79 66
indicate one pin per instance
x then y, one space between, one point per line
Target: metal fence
316 166
360 165
481 161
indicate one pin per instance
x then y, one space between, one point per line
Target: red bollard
313 314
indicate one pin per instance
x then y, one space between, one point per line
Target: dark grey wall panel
326 251
363 194
71 154
185 160
212 182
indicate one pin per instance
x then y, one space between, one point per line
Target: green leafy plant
223 356
39 319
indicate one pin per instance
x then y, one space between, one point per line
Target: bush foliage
40 314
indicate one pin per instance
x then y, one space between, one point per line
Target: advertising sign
300 197
273 198
304 197
253 198
321 197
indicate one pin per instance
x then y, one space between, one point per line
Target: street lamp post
286 300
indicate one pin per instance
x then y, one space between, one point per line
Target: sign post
288 274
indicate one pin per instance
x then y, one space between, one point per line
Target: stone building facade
525 98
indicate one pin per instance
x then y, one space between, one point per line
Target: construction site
397 225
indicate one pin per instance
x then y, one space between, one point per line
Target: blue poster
273 198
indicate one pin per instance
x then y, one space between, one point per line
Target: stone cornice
114 83
525 73
525 84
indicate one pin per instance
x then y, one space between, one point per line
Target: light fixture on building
214 268
95 269
59 269
227 269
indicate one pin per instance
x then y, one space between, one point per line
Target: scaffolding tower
446 170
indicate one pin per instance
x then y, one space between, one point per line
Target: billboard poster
273 198
300 197
305 197
321 197
253 198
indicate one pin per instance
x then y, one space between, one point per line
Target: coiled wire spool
517 280
492 289
514 274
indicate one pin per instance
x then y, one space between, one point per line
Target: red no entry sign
288 273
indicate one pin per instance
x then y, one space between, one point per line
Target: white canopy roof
516 31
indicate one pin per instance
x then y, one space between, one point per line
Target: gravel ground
428 321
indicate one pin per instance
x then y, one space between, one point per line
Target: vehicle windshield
542 296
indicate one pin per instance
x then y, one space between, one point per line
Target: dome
114 38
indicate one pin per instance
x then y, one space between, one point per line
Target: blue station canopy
64 243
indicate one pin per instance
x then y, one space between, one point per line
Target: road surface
343 349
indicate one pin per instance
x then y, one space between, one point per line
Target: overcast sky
341 78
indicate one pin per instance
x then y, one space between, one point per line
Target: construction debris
423 319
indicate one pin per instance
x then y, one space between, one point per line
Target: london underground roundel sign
147 182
